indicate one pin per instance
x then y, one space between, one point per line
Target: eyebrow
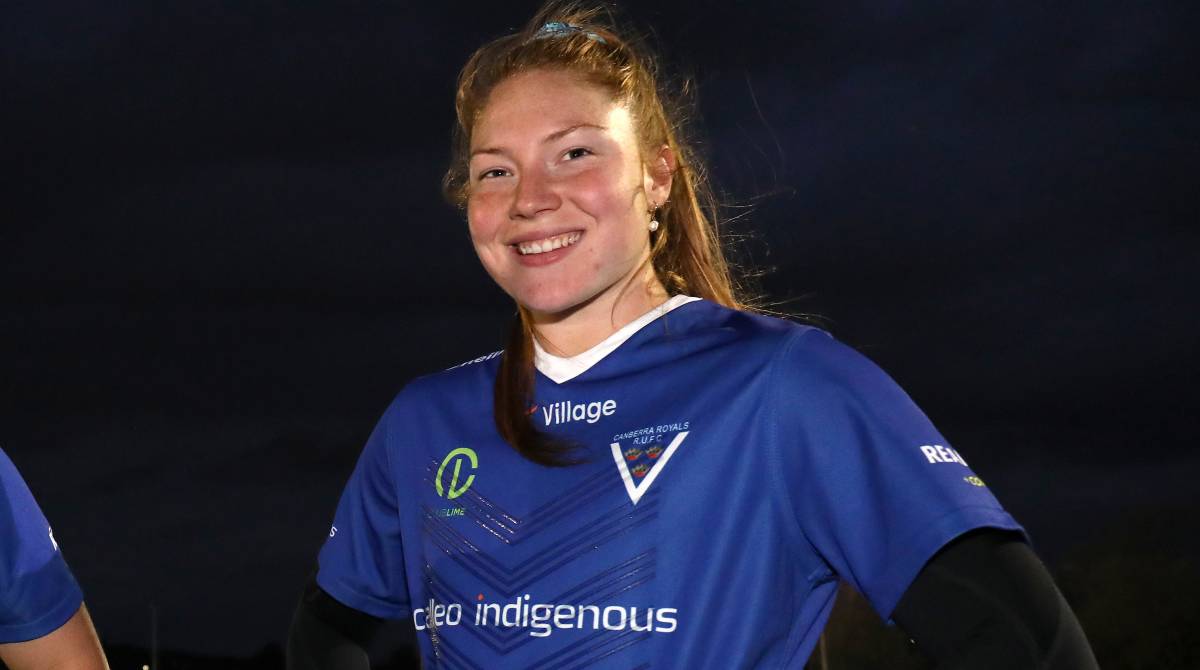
558 134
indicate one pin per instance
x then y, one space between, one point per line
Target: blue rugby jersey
37 591
737 467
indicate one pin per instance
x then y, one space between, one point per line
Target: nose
533 195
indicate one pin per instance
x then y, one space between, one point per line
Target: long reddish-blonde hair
685 252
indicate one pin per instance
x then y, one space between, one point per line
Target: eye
492 173
577 152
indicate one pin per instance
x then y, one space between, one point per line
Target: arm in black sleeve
986 601
327 635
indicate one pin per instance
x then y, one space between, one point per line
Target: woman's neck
588 324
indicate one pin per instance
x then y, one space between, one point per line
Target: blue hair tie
560 29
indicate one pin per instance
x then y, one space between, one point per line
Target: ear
657 174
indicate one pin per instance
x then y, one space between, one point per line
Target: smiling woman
560 202
650 475
565 148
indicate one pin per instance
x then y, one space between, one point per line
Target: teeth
548 244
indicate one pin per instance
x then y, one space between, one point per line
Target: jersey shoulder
780 339
469 382
16 501
466 377
816 357
805 359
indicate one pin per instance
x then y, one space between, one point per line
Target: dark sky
224 250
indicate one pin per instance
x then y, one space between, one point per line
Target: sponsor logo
974 481
936 453
473 361
542 619
52 540
567 411
453 488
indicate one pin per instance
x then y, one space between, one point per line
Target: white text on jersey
566 411
936 453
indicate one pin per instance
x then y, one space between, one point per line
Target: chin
550 306
553 301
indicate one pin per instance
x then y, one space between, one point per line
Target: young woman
43 622
649 474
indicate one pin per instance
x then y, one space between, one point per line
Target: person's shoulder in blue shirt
42 617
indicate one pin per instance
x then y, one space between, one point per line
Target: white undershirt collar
562 369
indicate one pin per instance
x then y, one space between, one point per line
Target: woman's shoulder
813 361
468 381
777 334
802 352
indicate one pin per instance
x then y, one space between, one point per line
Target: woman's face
559 195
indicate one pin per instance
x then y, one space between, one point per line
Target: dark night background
224 249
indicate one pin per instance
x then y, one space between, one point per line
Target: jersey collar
563 369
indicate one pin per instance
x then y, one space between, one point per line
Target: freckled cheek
595 194
483 240
484 218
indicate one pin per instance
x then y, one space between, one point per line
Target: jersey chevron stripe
509 528
450 658
600 645
508 579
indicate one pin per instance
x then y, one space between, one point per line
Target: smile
547 244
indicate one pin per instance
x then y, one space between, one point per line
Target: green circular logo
457 457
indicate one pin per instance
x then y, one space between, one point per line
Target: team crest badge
639 467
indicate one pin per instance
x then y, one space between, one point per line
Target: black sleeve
986 601
327 635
